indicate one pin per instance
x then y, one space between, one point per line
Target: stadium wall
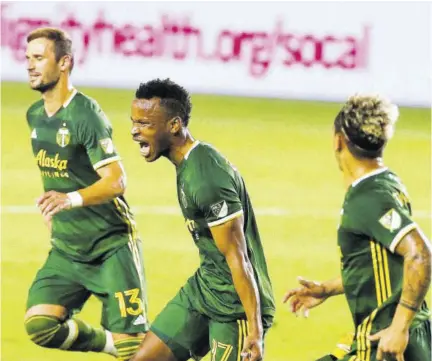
307 50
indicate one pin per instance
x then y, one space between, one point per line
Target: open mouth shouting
144 149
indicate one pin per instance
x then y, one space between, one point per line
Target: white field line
260 211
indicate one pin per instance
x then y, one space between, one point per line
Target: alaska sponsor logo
55 162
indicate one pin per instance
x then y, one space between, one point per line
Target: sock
109 345
127 347
72 335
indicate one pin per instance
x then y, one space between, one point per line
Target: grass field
284 151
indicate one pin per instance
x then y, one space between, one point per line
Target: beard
44 87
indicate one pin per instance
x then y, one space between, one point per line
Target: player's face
43 69
150 128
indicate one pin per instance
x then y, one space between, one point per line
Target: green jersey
69 147
211 192
376 215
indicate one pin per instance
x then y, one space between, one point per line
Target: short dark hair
62 42
367 123
174 98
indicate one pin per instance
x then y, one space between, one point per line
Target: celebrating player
227 306
95 246
385 257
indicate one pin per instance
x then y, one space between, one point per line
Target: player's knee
127 347
42 330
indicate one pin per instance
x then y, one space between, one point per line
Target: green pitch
284 151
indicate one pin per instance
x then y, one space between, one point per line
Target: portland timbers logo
63 136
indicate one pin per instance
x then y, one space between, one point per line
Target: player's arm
94 133
112 183
415 249
230 241
386 219
312 293
218 199
389 223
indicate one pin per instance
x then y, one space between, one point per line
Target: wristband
75 199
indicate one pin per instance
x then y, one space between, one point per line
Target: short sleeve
217 198
95 134
382 216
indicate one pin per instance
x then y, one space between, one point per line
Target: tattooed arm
415 249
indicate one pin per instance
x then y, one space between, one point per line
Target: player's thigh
56 284
153 349
119 282
419 346
182 329
227 340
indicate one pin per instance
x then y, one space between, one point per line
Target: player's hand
253 348
392 344
52 202
309 295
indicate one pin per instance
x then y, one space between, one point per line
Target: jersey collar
368 175
194 145
68 100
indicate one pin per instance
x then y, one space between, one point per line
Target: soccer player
385 257
227 305
95 246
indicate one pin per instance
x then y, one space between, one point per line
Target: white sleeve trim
106 161
401 235
226 219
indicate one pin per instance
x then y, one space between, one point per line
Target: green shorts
118 282
189 333
418 349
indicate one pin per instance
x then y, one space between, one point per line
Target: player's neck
57 96
356 169
181 147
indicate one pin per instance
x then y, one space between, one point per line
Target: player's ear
66 63
175 125
337 142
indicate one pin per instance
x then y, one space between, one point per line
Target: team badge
391 220
107 145
63 136
219 209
